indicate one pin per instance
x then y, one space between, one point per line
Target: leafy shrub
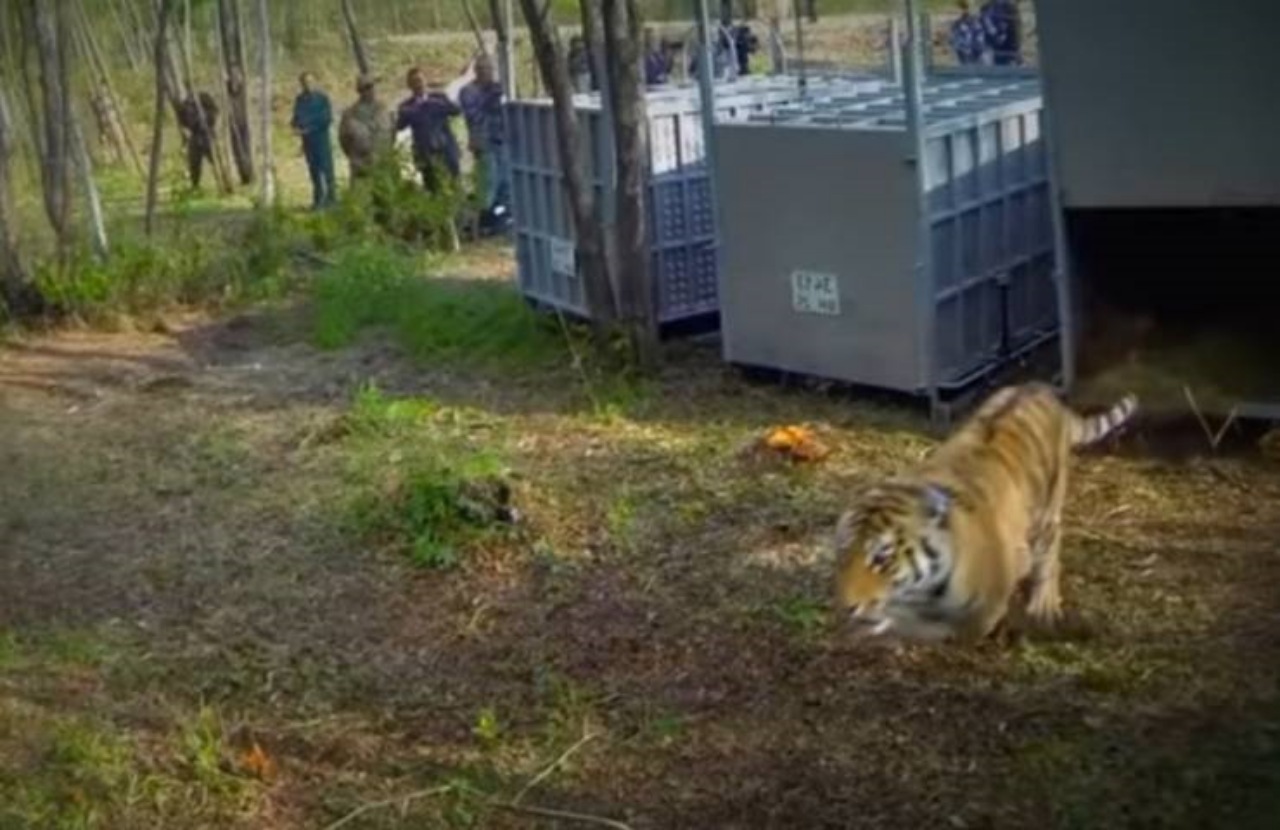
190 266
434 508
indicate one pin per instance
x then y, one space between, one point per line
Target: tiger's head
883 548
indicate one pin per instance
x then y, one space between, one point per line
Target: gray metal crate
681 211
824 222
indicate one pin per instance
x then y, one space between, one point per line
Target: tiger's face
883 552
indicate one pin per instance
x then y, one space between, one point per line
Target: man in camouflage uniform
364 132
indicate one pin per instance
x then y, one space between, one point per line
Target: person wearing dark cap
427 115
364 131
312 120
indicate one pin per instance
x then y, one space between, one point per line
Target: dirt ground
189 636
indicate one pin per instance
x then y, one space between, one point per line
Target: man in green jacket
312 120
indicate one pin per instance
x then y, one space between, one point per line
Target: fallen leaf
797 442
257 762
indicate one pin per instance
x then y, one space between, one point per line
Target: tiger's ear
937 501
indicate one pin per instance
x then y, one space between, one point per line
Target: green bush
422 490
193 265
387 205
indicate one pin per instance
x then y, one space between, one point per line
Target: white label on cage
562 258
814 293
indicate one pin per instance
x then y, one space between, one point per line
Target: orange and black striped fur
940 552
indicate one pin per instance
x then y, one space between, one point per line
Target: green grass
79 772
436 320
420 491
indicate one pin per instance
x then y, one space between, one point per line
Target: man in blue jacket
312 118
481 102
968 36
1002 23
427 114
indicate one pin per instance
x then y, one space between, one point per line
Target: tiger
938 553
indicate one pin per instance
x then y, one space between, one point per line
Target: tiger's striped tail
1086 430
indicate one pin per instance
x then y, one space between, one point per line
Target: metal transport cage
844 261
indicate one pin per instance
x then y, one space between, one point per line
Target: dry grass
180 582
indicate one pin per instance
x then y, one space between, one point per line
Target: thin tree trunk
268 164
84 165
143 25
14 280
50 41
502 28
593 38
587 228
24 114
127 35
119 130
622 33
237 93
353 34
292 26
157 129
173 90
476 31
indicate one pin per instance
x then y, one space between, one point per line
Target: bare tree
353 33
237 87
93 199
293 25
622 33
14 280
126 34
106 88
268 164
157 129
48 20
476 31
550 55
500 16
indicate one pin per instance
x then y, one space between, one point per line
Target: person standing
312 120
581 71
364 131
481 102
197 116
968 36
1002 23
657 68
427 114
